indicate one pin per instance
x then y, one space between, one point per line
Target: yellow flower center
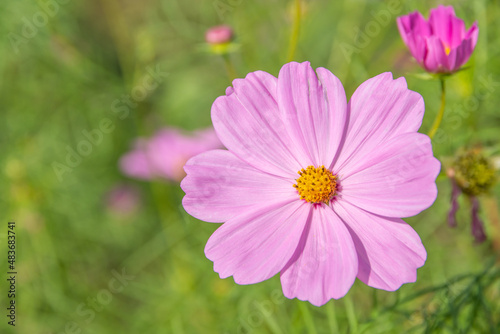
447 49
316 185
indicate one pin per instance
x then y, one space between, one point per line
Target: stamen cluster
316 185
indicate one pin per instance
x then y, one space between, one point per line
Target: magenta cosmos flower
440 45
165 154
313 187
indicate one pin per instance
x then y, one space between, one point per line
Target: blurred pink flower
123 199
440 45
165 154
219 34
362 166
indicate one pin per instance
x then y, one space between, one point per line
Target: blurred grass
65 79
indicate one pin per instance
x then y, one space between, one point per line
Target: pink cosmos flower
165 154
313 187
440 45
123 200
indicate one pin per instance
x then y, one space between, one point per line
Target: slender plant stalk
439 116
351 315
270 321
119 28
493 216
294 37
332 317
231 71
308 319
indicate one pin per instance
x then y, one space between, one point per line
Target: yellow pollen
316 185
447 50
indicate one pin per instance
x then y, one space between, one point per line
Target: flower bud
220 40
219 35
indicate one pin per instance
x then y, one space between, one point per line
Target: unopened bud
219 35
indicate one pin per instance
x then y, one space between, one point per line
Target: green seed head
474 173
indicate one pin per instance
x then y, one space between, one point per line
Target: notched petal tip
473 34
294 67
389 250
443 10
325 264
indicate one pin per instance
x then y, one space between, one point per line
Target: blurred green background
63 66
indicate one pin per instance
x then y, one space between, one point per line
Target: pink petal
247 122
314 111
257 244
460 55
473 34
325 263
453 57
380 109
219 186
457 32
413 22
417 46
404 27
396 181
414 29
436 59
440 20
389 250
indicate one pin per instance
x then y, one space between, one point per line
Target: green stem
351 315
294 37
270 321
120 35
332 317
439 116
308 319
161 202
231 71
